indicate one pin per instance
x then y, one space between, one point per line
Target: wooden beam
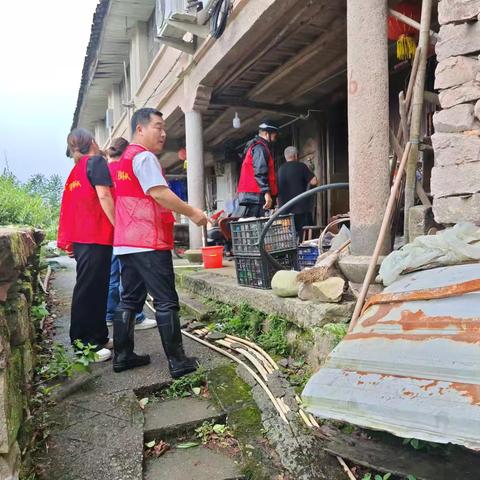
330 72
248 124
303 57
264 107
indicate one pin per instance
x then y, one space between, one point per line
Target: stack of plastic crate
281 242
307 256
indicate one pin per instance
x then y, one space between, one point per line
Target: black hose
285 208
218 20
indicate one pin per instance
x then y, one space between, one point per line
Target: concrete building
324 70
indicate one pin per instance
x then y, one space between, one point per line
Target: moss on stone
15 400
244 418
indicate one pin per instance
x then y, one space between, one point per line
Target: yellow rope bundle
406 48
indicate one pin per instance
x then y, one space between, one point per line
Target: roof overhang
108 49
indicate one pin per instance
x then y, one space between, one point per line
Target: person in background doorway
294 178
114 152
257 186
143 241
85 231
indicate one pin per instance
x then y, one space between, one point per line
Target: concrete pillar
368 121
138 56
195 170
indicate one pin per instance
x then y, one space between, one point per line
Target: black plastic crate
281 235
307 257
257 272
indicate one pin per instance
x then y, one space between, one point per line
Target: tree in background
35 203
49 189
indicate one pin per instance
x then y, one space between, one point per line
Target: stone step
178 416
198 463
194 306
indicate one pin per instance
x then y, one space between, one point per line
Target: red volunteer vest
139 220
113 167
247 182
82 219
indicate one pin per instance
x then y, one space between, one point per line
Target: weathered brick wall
456 174
19 257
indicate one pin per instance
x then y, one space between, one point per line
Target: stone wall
19 257
455 180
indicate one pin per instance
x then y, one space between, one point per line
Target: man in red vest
257 185
143 241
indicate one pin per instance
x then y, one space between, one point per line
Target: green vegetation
213 431
185 386
268 331
63 364
35 203
368 476
338 330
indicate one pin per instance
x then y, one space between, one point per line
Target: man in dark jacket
257 185
294 178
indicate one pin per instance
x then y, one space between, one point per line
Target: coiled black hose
218 20
285 208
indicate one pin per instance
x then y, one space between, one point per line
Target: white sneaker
146 324
103 355
109 344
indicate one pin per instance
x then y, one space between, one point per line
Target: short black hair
143 116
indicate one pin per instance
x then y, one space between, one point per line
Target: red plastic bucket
212 257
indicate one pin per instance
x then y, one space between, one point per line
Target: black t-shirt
98 172
293 179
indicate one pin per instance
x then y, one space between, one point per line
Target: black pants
249 210
89 300
155 271
302 220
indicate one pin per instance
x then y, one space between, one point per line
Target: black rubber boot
123 343
169 327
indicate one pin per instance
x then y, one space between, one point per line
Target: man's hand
268 201
198 218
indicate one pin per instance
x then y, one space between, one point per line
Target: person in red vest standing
143 241
85 231
114 153
257 185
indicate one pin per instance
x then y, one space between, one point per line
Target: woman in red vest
85 231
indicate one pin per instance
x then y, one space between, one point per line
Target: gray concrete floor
98 430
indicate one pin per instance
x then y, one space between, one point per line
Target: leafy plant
274 340
39 312
244 321
368 476
185 386
411 477
35 203
210 429
338 330
63 364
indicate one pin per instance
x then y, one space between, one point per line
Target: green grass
268 331
20 205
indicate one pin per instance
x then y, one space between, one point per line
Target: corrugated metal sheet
411 368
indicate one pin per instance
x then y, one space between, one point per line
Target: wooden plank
422 195
303 57
392 456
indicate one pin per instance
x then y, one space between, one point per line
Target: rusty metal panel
411 368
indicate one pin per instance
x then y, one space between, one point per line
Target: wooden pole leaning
381 237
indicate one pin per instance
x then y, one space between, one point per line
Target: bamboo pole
243 364
381 237
417 110
349 473
412 23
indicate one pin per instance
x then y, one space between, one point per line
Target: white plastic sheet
449 247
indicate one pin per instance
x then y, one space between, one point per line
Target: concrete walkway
98 429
